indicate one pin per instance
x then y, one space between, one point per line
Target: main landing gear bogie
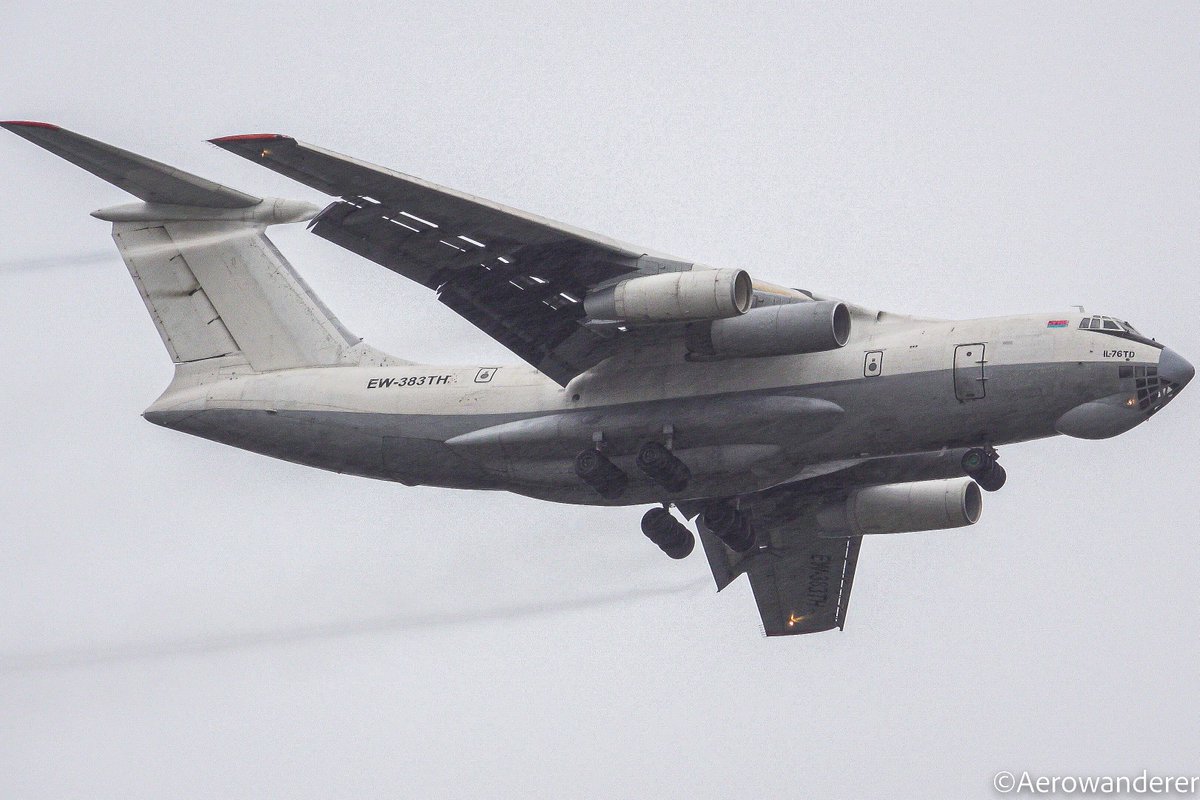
654 460
671 535
663 467
729 525
594 469
981 465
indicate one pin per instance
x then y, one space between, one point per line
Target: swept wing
518 277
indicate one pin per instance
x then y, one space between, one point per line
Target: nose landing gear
981 465
668 533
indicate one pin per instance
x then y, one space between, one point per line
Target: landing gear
668 533
729 525
981 465
663 467
654 460
601 474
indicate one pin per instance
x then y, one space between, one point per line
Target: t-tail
223 298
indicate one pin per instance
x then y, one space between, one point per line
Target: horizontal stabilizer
214 284
142 177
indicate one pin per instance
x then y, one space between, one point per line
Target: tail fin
214 284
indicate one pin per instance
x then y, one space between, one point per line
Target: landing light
1131 402
793 619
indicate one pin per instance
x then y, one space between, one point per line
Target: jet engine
674 297
904 508
809 327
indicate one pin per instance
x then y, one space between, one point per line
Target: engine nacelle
791 329
674 297
904 508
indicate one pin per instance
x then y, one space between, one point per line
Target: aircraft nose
1174 368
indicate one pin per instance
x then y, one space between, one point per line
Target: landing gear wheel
663 467
994 480
975 460
981 465
671 535
719 517
730 526
594 469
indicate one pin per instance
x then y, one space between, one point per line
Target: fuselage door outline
970 371
873 364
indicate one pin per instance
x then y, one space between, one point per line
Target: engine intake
810 327
904 508
674 297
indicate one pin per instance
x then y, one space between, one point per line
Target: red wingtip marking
27 124
247 137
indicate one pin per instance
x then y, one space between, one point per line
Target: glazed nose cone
1174 368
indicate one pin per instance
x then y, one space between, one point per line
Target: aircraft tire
671 535
993 480
663 467
594 469
730 526
981 465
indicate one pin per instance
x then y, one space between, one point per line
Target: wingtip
24 123
247 137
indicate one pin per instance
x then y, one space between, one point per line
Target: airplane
787 424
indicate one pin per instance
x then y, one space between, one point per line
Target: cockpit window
1105 323
1113 327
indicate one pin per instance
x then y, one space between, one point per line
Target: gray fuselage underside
907 411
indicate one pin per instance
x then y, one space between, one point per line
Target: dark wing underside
801 582
518 277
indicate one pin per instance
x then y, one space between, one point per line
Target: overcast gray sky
183 619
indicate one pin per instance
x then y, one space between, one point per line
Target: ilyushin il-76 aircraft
787 424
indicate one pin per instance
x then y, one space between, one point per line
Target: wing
518 277
801 581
